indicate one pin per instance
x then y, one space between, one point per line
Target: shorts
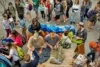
36 9
92 19
57 17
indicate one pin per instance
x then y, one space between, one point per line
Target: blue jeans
81 18
12 25
73 17
36 9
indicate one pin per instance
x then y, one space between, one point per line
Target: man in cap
80 37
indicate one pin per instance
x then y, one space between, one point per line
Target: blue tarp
57 29
5 61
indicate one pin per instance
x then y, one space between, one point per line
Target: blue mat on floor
57 29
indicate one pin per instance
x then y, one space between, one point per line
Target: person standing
12 11
57 11
19 7
98 5
69 5
36 5
42 9
23 26
75 10
6 25
92 18
28 8
89 4
83 10
81 36
48 6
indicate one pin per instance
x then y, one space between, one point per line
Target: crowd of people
41 44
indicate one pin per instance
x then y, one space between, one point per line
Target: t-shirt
82 34
37 43
6 24
18 40
36 5
32 28
66 38
75 7
12 10
14 54
47 5
91 13
58 9
41 7
52 42
26 8
22 23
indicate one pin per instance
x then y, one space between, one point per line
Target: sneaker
42 19
74 23
47 22
71 22
64 21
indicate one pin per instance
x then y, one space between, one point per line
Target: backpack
30 7
93 44
20 52
24 40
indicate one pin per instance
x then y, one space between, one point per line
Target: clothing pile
80 61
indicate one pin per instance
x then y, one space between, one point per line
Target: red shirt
44 1
18 40
47 6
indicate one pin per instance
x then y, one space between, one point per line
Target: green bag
20 53
77 41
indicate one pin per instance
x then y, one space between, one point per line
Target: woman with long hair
13 55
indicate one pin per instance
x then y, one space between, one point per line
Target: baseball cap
36 35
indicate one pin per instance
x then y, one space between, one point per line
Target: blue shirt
34 62
22 23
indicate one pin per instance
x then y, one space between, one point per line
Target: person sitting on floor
66 41
27 58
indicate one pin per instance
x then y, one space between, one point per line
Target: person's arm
36 59
49 45
85 36
30 29
90 4
46 41
10 54
58 40
58 9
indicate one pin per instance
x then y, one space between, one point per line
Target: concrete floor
92 35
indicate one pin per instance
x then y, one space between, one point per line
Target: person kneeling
28 61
